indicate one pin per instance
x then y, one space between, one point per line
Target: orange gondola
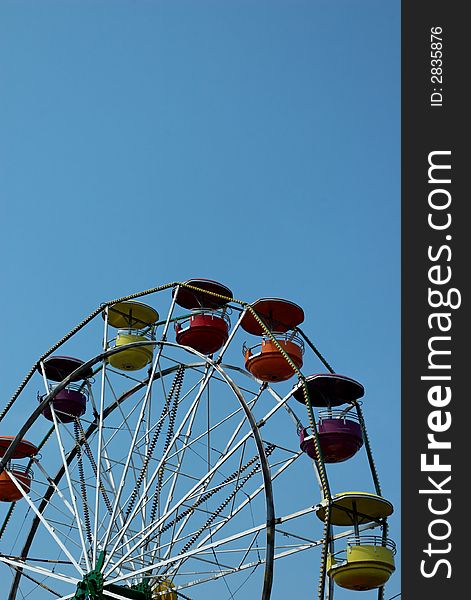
278 355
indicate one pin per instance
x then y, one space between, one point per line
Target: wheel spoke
45 523
197 486
40 570
100 440
71 490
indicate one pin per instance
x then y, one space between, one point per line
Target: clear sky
251 142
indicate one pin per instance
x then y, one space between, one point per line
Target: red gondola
9 492
207 328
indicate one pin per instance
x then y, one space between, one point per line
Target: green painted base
92 586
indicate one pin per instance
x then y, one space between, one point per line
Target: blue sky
251 142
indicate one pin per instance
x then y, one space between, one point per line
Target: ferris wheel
151 467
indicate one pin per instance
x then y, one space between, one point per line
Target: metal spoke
100 440
71 490
39 570
157 524
45 523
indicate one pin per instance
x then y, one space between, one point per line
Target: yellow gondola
135 322
368 563
164 590
355 508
